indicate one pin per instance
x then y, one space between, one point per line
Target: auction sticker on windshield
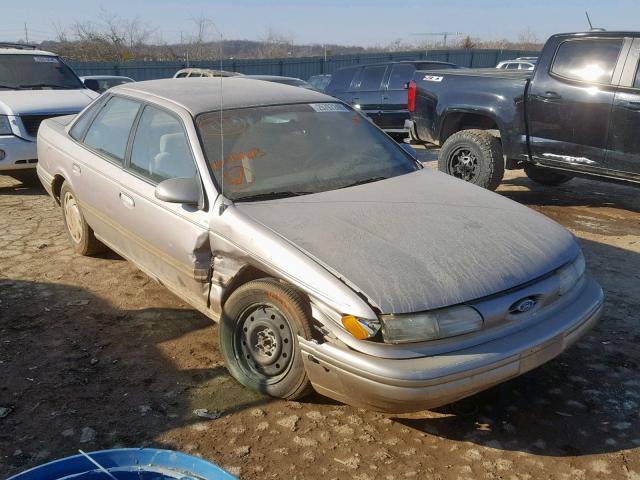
328 107
45 59
433 78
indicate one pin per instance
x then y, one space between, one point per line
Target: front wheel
474 156
258 332
545 176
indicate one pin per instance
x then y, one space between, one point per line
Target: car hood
44 102
420 241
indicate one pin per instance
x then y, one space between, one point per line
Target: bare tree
275 44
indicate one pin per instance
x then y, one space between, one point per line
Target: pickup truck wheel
474 156
545 176
80 233
258 332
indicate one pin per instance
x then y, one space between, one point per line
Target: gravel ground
94 355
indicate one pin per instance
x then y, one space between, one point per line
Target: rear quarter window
587 60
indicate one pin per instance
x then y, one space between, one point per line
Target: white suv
34 85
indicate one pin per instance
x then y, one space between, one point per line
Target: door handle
549 96
631 105
75 168
127 200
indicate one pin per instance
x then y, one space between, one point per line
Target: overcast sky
355 22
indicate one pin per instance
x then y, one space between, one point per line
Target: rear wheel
258 332
80 233
545 176
474 156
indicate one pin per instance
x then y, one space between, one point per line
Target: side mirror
186 191
409 149
92 84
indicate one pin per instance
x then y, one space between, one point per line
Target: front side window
341 80
291 150
36 72
400 75
182 74
371 78
109 132
160 147
587 60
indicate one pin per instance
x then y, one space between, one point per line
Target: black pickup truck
576 114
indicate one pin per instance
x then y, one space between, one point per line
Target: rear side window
78 129
400 75
109 133
161 148
587 60
341 80
370 78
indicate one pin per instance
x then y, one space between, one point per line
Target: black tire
258 338
545 176
80 233
474 156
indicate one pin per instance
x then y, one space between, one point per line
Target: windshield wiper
45 85
366 180
270 196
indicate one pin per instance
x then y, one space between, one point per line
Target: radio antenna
588 20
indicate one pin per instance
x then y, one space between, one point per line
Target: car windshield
26 72
288 150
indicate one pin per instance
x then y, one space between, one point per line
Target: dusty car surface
329 256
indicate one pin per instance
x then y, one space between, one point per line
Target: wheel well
245 275
56 186
457 121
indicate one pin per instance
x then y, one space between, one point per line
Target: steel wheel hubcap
265 342
73 217
463 164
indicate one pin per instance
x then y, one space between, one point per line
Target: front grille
32 122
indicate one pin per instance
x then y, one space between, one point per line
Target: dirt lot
94 355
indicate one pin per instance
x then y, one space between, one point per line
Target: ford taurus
329 256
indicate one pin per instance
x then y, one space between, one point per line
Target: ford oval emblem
524 305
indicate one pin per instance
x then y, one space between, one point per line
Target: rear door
394 96
367 90
569 107
623 154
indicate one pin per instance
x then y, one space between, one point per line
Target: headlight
570 274
5 126
447 322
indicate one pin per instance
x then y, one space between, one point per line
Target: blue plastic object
128 464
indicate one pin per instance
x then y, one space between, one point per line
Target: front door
168 241
569 109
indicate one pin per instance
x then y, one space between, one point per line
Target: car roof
198 95
434 62
25 51
103 77
272 77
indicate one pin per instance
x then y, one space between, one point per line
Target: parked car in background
204 72
102 83
294 82
380 90
320 82
259 213
516 65
34 85
577 114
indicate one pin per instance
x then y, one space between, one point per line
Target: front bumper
20 154
408 385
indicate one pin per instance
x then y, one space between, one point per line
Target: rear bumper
19 154
406 385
